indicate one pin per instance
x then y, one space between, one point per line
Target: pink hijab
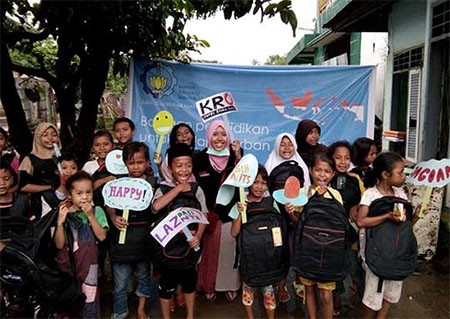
219 163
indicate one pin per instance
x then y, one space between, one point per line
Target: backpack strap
380 284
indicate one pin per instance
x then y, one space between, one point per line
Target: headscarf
305 150
38 149
218 162
275 158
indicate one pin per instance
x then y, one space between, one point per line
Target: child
255 198
69 167
134 252
11 203
388 171
169 196
42 166
322 172
79 226
11 158
124 131
364 151
181 133
307 136
350 187
102 144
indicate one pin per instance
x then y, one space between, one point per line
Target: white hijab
275 159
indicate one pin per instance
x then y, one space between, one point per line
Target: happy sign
115 164
242 175
175 222
128 193
431 173
216 105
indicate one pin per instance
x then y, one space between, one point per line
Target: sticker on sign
216 105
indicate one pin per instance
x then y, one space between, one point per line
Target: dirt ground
425 295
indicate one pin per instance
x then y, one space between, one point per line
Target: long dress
215 270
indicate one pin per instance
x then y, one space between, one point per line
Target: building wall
374 49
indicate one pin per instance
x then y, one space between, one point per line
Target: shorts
248 296
321 285
391 290
171 278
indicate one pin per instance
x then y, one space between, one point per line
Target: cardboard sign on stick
128 193
115 164
216 105
176 221
162 125
243 175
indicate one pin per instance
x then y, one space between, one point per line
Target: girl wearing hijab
211 167
43 167
307 138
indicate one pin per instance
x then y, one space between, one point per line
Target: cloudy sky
241 41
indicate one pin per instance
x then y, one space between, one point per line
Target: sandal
231 295
211 296
283 295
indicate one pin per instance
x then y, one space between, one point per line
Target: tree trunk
94 72
20 136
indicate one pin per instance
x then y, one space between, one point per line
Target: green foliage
276 60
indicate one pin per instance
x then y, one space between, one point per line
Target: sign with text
215 105
243 175
431 173
175 222
128 193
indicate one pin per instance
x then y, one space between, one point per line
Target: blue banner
270 100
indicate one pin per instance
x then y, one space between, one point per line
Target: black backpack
321 240
391 247
261 263
177 254
280 174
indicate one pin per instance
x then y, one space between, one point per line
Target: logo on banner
216 105
175 222
128 193
158 79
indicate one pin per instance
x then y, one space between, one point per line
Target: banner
270 100
128 193
175 222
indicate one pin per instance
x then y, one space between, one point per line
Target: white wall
374 49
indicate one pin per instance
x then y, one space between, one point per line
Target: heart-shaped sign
114 163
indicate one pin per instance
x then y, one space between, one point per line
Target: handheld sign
176 221
216 105
431 173
115 164
127 193
58 155
162 125
243 175
291 193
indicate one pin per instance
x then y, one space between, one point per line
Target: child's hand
87 209
353 215
290 209
395 217
194 242
236 148
119 222
184 187
157 158
63 210
241 207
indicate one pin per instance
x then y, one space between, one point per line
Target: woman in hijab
43 168
211 167
307 138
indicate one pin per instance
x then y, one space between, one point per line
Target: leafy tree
94 39
276 60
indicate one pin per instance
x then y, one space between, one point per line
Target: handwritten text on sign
175 222
431 173
216 105
128 193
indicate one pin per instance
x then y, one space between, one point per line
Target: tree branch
42 73
15 36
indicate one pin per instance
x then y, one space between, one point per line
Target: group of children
353 175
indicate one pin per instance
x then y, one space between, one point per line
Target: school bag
264 260
280 174
391 247
321 240
177 254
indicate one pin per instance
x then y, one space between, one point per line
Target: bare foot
142 315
